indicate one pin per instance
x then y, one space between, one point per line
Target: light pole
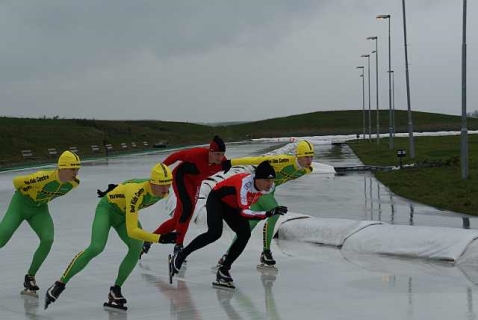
410 122
363 99
391 129
393 102
369 109
464 131
376 83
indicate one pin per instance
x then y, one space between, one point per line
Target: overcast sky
225 60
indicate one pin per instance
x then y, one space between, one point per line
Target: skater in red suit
196 165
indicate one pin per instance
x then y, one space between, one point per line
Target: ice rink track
314 281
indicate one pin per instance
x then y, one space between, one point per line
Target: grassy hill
345 122
38 135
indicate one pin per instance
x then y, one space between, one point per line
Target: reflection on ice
31 305
236 304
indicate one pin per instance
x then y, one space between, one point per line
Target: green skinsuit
118 209
30 203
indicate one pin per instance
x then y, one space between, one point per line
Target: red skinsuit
187 179
238 192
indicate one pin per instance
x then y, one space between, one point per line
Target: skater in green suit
287 167
119 209
30 203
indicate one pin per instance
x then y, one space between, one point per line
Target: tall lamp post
410 122
393 102
391 129
369 109
363 99
464 131
376 83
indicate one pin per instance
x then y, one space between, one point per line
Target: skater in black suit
230 200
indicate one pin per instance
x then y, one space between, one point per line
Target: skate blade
171 273
114 307
266 268
29 293
220 285
47 303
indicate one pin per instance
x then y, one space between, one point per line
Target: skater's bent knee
94 249
245 234
3 243
46 241
214 235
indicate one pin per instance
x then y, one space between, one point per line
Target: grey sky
209 61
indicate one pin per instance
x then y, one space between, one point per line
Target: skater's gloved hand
168 237
111 187
226 165
277 210
145 249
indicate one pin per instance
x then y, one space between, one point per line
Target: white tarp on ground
470 256
374 237
332 232
316 140
412 241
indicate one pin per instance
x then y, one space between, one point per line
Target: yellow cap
304 149
161 175
69 160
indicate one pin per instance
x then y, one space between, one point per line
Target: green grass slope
38 135
438 181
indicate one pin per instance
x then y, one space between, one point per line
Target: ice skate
116 301
178 248
175 263
223 279
170 266
220 262
53 293
267 262
31 287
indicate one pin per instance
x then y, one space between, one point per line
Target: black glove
226 165
145 249
101 194
168 237
277 210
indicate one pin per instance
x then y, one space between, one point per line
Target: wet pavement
314 281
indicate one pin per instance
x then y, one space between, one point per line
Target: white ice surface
314 281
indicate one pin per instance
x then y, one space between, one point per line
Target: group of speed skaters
241 200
